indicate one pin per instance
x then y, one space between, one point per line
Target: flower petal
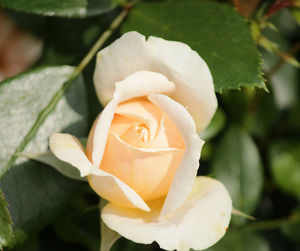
68 148
198 224
142 83
122 58
143 110
116 191
148 173
136 85
177 61
194 83
187 172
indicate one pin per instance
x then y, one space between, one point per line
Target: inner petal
140 123
143 110
149 174
144 148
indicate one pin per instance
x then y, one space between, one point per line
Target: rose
143 150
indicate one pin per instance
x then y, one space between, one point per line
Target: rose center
143 132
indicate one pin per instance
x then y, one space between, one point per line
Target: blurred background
252 144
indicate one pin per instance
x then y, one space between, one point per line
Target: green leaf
284 80
241 241
31 244
6 233
23 99
62 8
49 158
211 29
62 167
294 118
285 166
291 229
35 102
296 14
215 126
80 227
237 164
36 196
263 114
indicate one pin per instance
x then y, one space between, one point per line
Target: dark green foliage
63 8
216 31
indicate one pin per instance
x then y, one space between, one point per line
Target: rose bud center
143 149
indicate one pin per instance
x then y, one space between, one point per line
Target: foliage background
252 143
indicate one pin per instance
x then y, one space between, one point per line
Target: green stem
60 93
271 224
282 61
114 25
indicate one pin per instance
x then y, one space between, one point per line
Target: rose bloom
143 150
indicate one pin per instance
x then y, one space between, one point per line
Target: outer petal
177 61
67 148
114 190
198 224
194 83
187 171
114 63
142 83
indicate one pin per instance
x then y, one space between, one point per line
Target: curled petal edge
177 61
187 171
138 84
199 223
68 148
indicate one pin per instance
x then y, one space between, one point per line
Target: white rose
143 151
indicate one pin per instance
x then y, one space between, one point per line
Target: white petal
68 149
194 83
177 61
142 83
187 171
122 58
198 224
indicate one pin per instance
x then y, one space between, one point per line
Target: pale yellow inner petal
143 149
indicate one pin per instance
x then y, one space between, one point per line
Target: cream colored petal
98 135
142 83
121 124
177 61
122 58
136 85
187 171
198 224
149 172
68 149
108 186
114 190
194 83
